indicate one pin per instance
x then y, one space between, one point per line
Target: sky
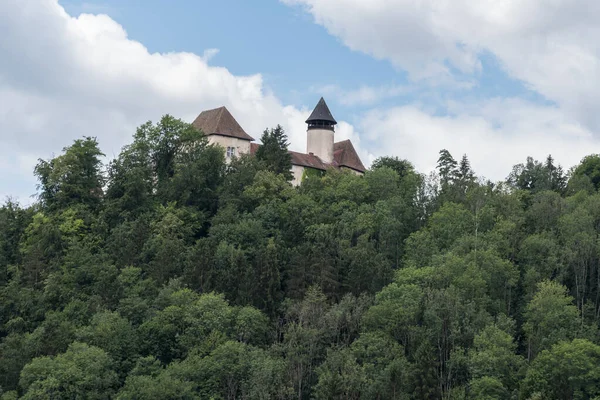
496 80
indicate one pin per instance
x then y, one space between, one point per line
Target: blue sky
498 81
298 59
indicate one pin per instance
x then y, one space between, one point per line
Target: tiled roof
321 113
344 155
219 121
303 159
308 160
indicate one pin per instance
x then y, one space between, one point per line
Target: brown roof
344 155
305 160
308 160
219 121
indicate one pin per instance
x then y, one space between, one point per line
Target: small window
230 152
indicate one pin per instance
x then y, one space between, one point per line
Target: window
230 152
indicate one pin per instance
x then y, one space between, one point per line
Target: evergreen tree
535 176
447 168
274 152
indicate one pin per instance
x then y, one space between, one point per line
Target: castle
322 152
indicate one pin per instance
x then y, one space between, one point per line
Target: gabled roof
219 121
302 159
344 155
308 160
321 113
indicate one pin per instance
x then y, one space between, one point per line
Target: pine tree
465 177
465 173
447 167
274 152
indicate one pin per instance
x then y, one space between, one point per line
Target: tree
340 377
488 388
465 177
385 369
274 152
163 386
588 169
402 167
75 177
447 167
493 356
568 370
81 372
115 335
130 181
13 220
535 176
550 317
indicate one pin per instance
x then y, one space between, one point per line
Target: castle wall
240 146
298 172
320 143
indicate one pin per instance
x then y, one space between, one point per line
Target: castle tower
320 132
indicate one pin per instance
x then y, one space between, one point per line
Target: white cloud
75 76
364 95
495 135
62 77
551 45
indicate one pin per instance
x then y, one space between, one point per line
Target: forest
169 273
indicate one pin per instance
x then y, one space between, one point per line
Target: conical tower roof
321 113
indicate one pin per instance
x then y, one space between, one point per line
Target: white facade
320 143
233 146
298 172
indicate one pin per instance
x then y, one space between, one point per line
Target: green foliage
568 370
81 372
488 388
493 362
535 176
274 152
587 172
113 334
162 386
74 177
402 167
176 275
550 318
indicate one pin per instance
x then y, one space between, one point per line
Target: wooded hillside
169 274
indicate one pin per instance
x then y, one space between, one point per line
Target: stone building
322 151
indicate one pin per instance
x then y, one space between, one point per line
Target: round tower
320 132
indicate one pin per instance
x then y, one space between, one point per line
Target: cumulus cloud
62 77
364 95
551 46
74 76
495 135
